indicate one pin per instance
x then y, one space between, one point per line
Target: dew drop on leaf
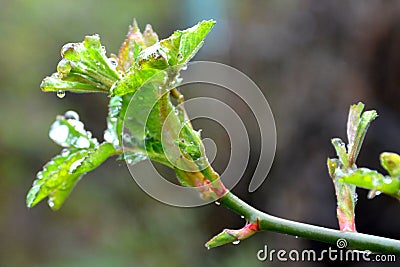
64 152
113 61
387 180
60 94
75 165
59 133
82 142
71 115
236 242
217 203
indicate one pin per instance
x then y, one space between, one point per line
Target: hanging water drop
71 115
60 93
242 217
217 203
236 242
373 193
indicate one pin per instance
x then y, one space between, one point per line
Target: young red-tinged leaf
133 44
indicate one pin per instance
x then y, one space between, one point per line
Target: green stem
268 222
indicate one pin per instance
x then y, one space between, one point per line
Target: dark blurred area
312 59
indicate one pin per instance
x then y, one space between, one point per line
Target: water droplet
82 142
60 93
59 133
75 165
39 175
78 125
64 66
64 152
242 217
108 136
217 203
236 242
373 193
71 115
387 180
66 48
296 237
113 61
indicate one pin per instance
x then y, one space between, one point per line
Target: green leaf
353 122
134 43
357 128
341 152
62 173
221 239
56 179
95 157
332 165
69 131
370 179
144 119
181 46
233 236
135 79
84 67
391 163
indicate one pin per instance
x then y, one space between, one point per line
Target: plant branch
268 222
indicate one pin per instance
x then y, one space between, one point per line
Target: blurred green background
312 59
